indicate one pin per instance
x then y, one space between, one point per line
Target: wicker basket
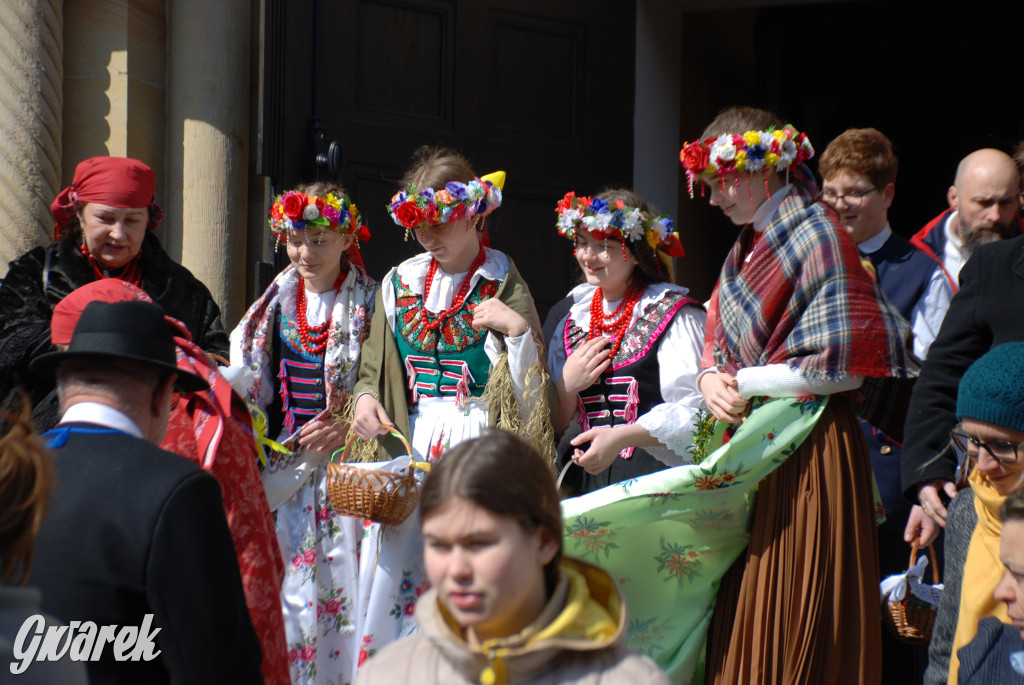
911 620
370 494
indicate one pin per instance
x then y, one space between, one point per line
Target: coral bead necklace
130 273
313 338
613 325
460 296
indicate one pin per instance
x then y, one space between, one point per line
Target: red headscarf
112 181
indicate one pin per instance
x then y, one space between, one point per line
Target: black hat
129 331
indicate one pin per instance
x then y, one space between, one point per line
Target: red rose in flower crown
458 211
409 214
695 157
431 212
292 205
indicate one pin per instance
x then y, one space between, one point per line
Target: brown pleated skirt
801 606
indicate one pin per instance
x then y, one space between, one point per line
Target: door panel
542 90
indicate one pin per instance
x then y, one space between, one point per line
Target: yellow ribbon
260 424
497 178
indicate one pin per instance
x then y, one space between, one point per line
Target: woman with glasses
989 440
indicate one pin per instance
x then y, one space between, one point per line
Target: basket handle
931 551
352 437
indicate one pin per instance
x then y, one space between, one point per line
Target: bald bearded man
982 209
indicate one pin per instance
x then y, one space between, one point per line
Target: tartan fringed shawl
803 298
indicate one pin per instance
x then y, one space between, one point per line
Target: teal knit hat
992 390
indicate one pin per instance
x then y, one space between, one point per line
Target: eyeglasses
1003 451
854 198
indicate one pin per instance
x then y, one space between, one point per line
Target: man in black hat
135 538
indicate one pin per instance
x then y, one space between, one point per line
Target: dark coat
133 530
985 313
986 659
43 276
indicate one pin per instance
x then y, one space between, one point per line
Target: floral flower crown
479 197
295 211
781 149
604 220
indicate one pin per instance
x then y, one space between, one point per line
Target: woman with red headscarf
104 229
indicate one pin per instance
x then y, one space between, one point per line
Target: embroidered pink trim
666 319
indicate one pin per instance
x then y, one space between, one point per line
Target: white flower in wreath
661 229
787 154
566 222
310 213
475 190
632 225
589 223
724 150
754 164
604 219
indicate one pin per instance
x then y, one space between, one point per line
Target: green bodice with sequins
442 361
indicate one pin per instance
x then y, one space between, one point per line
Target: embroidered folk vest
301 381
448 361
632 385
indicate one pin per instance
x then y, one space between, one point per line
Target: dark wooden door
541 90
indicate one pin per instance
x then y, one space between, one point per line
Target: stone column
207 144
31 72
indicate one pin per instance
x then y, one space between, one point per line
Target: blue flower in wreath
457 190
756 151
598 206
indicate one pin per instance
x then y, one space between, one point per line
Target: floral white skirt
351 586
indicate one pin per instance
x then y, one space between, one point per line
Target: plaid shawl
803 298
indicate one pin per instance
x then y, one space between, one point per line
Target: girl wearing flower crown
453 345
627 355
295 355
794 315
452 350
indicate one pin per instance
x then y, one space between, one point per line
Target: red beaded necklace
613 325
313 338
131 272
460 296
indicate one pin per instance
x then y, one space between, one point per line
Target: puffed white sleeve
246 363
679 357
522 354
782 380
